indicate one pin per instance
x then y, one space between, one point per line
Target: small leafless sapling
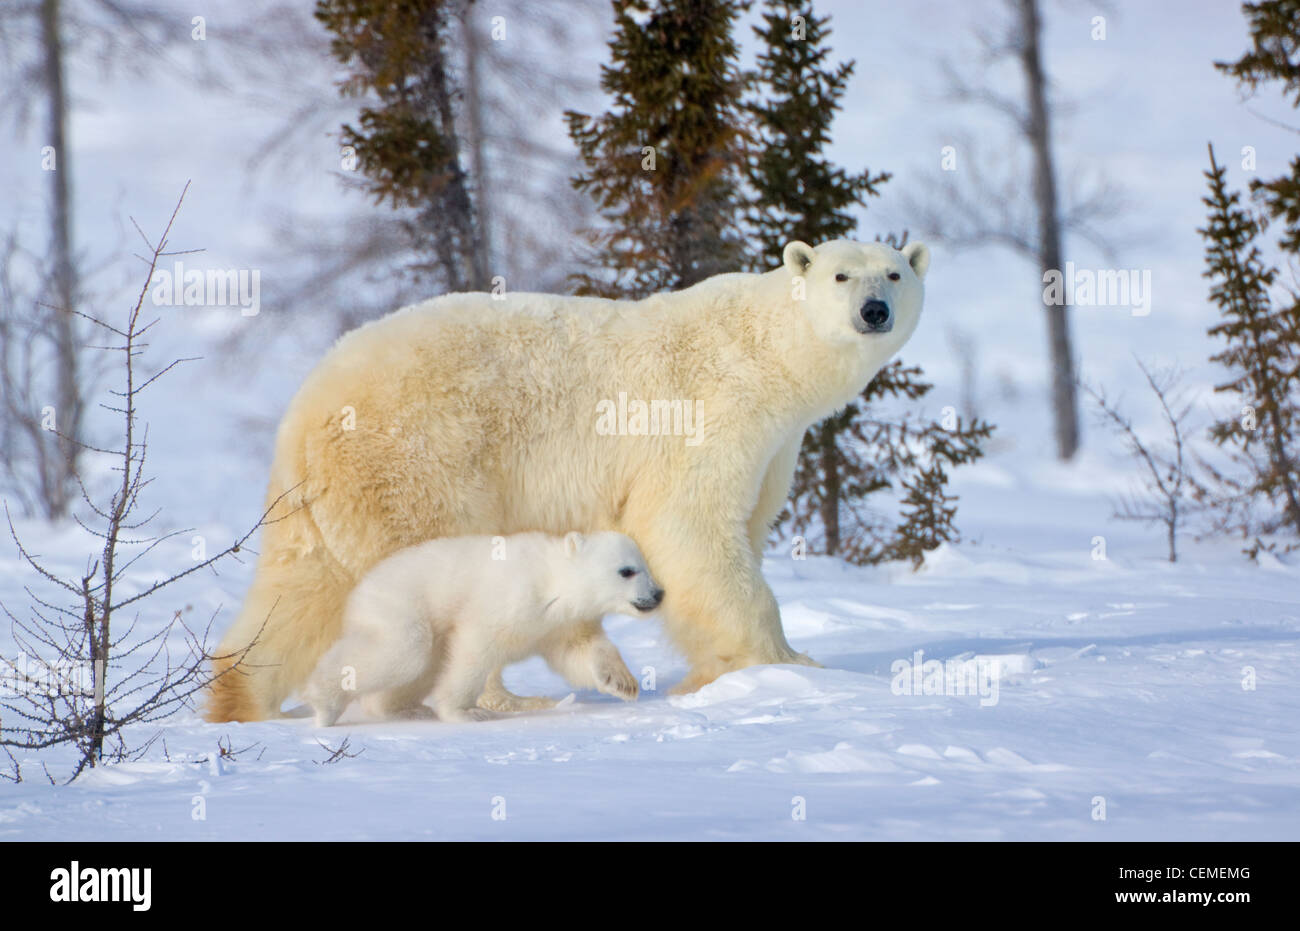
84 672
341 752
1168 491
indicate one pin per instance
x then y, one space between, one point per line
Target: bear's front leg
719 610
772 495
587 658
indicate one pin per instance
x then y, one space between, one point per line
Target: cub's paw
618 682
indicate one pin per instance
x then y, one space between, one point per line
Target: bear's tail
292 614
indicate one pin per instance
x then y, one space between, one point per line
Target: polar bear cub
442 615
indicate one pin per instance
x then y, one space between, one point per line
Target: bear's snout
649 604
875 314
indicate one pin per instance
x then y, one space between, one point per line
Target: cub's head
613 573
862 294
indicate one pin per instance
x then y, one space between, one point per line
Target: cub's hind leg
376 664
405 701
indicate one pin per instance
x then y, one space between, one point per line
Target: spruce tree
927 519
799 194
1275 43
1274 27
1262 356
1261 330
407 146
664 163
863 450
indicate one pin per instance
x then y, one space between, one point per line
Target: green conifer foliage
664 163
799 193
1262 355
407 144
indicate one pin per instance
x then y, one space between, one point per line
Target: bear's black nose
658 595
875 314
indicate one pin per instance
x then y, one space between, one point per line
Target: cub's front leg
587 658
496 697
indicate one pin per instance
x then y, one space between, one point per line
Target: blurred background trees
408 143
42 382
1013 197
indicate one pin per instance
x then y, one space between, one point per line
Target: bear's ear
797 256
918 256
572 544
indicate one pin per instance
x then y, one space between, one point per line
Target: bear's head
612 573
864 295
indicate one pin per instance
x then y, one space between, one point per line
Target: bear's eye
841 277
627 572
894 276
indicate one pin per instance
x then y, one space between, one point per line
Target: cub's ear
797 256
918 256
573 543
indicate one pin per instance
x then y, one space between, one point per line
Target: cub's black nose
649 604
875 314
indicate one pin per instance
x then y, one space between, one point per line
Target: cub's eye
894 276
627 572
841 277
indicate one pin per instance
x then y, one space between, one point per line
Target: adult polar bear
465 415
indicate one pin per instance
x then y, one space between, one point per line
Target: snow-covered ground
1118 679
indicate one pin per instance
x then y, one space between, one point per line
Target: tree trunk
1284 469
474 122
1065 409
831 497
451 221
67 386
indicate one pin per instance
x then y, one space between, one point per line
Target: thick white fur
478 416
441 616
